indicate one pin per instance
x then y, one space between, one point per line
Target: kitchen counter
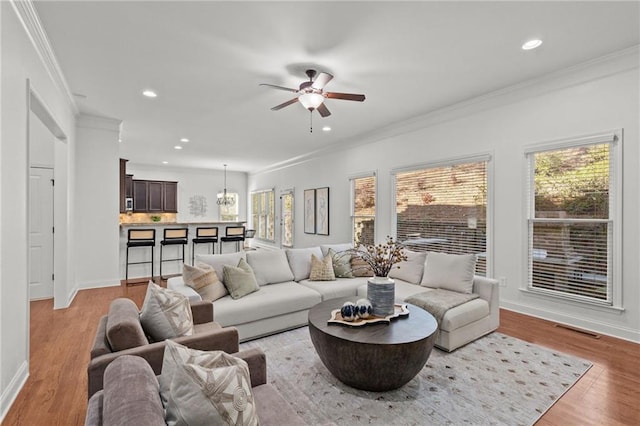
167 224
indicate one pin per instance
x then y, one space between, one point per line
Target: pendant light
225 199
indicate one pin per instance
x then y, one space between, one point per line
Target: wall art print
309 211
322 211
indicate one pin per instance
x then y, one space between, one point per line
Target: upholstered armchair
121 333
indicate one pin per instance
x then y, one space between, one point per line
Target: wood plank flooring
56 391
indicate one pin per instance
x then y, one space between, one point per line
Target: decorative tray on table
400 310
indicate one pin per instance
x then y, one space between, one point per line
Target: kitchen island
141 254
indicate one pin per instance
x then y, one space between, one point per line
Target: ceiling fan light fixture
311 101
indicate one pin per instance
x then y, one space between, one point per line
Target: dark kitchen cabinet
170 197
128 186
155 190
140 197
155 196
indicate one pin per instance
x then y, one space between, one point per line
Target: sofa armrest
100 345
225 339
202 312
257 361
488 289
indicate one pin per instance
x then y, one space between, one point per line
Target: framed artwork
322 211
309 211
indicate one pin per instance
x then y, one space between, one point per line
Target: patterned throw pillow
240 280
218 393
203 279
321 270
341 264
165 313
360 268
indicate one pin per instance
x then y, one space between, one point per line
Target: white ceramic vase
381 292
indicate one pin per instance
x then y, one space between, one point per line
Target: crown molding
28 16
595 69
89 121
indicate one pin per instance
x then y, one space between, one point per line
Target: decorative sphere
364 308
349 311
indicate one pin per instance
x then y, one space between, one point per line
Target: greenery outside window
229 212
443 207
573 224
287 209
363 208
263 214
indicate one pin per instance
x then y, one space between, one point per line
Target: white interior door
41 233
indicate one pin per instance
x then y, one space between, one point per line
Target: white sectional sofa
286 294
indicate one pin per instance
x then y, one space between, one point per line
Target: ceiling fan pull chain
310 121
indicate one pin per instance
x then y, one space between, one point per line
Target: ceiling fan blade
279 87
345 96
321 80
277 107
323 110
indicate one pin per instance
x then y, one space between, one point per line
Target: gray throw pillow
341 263
165 313
240 279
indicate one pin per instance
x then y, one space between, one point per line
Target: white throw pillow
336 247
449 271
411 269
270 266
213 394
165 314
217 261
300 261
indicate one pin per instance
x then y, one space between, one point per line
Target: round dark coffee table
373 357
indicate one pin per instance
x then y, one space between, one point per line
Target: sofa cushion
464 314
219 260
165 313
131 393
204 280
335 247
321 270
240 279
449 271
341 263
219 395
341 287
300 261
271 301
123 328
176 354
410 270
270 266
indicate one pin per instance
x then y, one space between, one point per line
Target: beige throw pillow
203 279
449 271
322 270
215 394
165 313
240 280
360 268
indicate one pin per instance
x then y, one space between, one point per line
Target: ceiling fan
311 93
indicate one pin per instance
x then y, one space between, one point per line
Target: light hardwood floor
55 393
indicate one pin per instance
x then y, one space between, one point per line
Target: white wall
196 182
98 202
20 63
603 97
41 143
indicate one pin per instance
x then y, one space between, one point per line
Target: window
286 207
230 211
572 218
444 208
263 214
363 208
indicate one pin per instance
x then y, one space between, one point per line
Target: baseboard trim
11 392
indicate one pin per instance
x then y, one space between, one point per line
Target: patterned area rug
496 380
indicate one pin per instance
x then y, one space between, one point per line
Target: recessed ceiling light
177 147
150 94
165 162
120 140
326 129
531 44
185 140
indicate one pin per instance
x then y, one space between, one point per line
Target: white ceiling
205 59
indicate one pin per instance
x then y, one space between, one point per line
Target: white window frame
256 226
475 158
236 197
352 213
614 138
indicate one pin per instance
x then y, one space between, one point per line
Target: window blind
363 209
444 208
263 214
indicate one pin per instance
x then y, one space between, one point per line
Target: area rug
496 380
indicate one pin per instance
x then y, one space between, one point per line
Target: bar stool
208 235
140 238
233 234
172 237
